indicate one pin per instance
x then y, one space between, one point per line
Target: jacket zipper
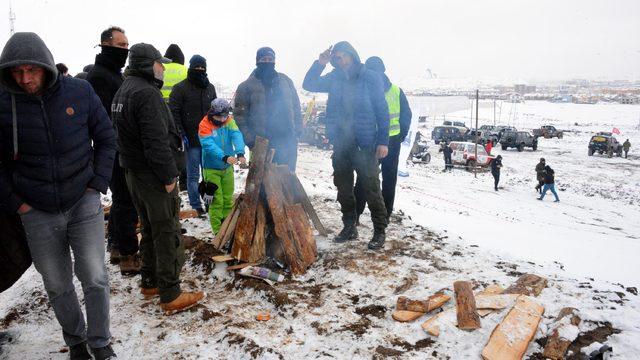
54 160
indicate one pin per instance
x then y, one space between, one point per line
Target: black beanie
264 51
376 64
197 60
175 54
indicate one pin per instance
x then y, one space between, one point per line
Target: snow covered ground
452 227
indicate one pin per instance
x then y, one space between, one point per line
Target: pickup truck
548 132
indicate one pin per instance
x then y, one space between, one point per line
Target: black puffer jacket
188 104
106 78
148 139
66 142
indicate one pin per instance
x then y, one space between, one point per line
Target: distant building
524 89
628 100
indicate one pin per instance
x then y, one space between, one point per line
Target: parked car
487 128
483 136
518 140
464 153
446 133
548 131
500 129
604 144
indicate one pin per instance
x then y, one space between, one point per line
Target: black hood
175 53
344 46
25 48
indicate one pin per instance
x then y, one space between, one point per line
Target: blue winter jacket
370 111
219 143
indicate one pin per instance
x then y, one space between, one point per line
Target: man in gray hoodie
57 147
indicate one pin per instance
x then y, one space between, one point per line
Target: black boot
377 242
349 232
79 352
104 353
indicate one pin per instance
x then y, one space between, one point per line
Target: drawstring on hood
26 48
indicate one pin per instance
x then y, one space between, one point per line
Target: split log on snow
489 290
527 284
483 303
409 310
424 306
466 311
406 315
291 224
563 332
510 339
246 229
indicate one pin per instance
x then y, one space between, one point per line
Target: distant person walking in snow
549 183
488 146
540 175
446 151
626 146
496 165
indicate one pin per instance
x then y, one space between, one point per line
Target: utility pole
494 112
475 173
12 19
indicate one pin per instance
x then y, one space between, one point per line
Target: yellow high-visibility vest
393 101
173 74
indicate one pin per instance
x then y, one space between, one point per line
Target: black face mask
266 72
117 56
198 78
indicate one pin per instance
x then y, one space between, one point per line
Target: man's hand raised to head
325 57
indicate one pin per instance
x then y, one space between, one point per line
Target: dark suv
446 134
604 143
519 140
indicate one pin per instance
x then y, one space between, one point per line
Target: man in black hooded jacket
189 102
151 151
106 78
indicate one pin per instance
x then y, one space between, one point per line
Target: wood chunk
510 339
495 302
466 311
240 266
258 248
228 226
489 290
527 284
300 196
246 224
188 214
301 227
222 258
563 332
284 174
405 315
431 326
424 306
298 248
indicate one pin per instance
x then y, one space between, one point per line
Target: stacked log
274 212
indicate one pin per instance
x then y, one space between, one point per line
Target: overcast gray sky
528 40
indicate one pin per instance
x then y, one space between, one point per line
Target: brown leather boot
149 293
183 302
129 265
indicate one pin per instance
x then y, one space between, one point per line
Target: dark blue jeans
194 159
51 238
551 187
